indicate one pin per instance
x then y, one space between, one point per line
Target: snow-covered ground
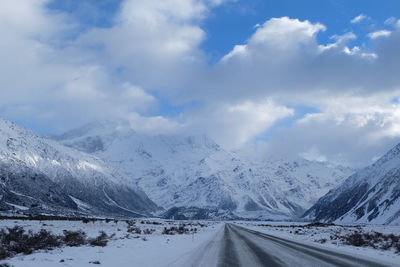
128 248
330 237
124 249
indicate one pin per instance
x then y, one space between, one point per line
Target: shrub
375 240
74 239
15 240
356 239
130 223
43 240
4 253
149 231
135 230
397 247
175 230
100 241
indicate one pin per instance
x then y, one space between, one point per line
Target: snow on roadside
125 249
314 235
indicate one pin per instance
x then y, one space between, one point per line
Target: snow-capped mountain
38 175
371 195
195 177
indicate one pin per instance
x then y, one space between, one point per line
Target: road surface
237 246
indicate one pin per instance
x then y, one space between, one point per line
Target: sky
313 78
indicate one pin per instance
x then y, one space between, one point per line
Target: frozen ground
124 249
194 248
331 236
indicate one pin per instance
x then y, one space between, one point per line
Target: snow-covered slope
195 172
41 176
371 195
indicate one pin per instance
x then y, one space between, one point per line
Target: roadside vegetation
25 235
16 240
351 235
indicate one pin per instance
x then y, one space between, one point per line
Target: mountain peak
371 195
43 176
105 127
389 156
193 170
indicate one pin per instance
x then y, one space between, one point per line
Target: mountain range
194 177
371 195
108 169
41 176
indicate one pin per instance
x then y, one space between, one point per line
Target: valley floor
155 242
126 248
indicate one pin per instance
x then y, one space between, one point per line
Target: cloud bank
57 76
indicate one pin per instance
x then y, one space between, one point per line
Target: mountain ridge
195 172
371 195
59 175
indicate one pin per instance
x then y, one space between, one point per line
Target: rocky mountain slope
371 195
192 176
38 175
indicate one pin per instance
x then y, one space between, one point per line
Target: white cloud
155 46
283 57
137 97
154 125
277 30
313 154
279 34
390 21
358 19
340 41
348 130
46 78
237 51
234 125
155 43
379 34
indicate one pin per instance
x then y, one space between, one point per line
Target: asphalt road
244 247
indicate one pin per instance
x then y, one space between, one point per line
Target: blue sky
233 22
290 76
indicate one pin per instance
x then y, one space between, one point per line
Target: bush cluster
16 240
148 231
150 222
56 218
375 240
181 229
134 230
305 226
